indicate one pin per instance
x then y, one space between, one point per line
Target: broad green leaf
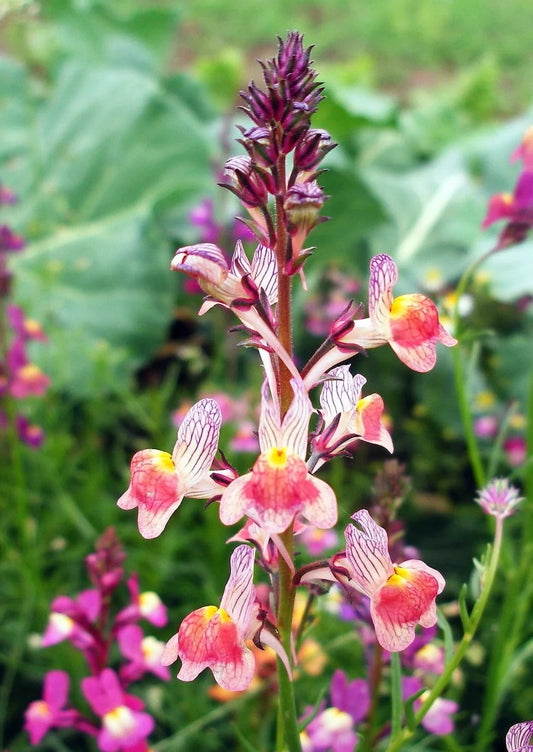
106 150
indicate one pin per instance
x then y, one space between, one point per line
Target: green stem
288 736
462 382
397 740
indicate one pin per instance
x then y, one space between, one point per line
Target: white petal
239 593
197 443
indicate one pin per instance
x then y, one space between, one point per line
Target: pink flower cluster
19 377
121 725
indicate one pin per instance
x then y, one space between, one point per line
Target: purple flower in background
42 715
438 720
499 498
123 723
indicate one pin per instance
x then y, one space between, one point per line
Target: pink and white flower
144 654
42 715
409 324
348 416
160 481
279 486
123 723
401 595
215 638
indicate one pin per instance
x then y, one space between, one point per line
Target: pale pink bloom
215 638
123 725
243 286
519 737
349 416
409 324
160 481
332 730
42 715
279 486
486 426
317 541
144 654
401 595
245 440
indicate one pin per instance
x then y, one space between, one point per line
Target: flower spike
159 481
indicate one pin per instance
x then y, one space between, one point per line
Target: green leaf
98 161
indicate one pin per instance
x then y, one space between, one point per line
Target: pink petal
103 692
129 641
320 506
55 691
155 488
399 604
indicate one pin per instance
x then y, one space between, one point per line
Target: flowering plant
281 497
90 625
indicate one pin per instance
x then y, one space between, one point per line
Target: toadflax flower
347 415
42 715
401 595
409 324
123 723
214 638
279 486
160 481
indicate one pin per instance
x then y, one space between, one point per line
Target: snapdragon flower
160 481
409 324
215 638
123 723
279 486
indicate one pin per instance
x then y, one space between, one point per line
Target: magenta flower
519 737
144 654
214 638
42 715
147 605
160 481
279 486
438 720
123 725
401 595
72 620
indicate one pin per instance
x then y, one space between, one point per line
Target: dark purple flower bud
260 146
311 149
243 179
105 564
